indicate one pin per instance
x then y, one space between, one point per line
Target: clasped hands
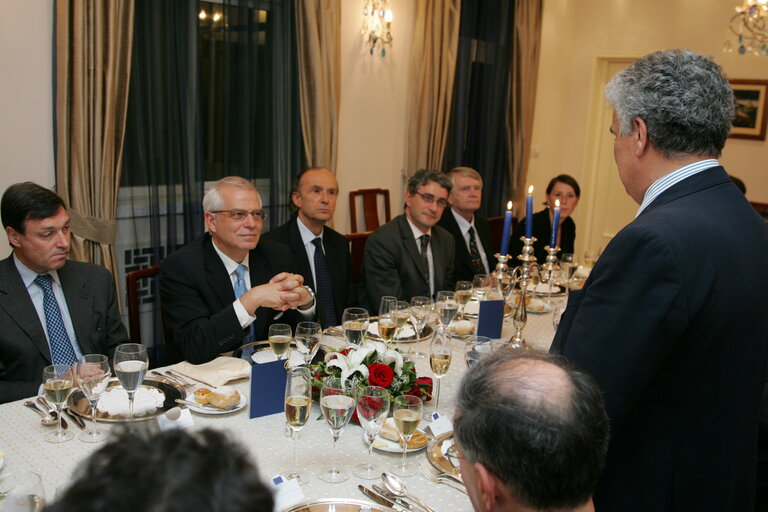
284 291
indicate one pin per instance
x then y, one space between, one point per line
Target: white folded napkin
215 373
406 332
115 401
267 356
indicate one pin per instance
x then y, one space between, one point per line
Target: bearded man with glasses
410 255
224 289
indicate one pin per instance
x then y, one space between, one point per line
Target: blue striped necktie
324 286
240 289
61 348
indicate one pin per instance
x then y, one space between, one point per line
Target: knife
74 417
378 498
404 504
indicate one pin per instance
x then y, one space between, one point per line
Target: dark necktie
474 254
61 348
324 286
239 290
424 241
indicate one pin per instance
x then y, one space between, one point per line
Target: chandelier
377 23
750 26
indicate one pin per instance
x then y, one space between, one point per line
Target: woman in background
566 189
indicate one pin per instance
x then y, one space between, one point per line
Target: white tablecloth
21 437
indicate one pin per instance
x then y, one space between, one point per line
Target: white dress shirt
464 228
417 233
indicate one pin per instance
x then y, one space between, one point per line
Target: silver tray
80 405
336 505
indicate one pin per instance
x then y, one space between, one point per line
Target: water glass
372 411
308 336
355 324
21 491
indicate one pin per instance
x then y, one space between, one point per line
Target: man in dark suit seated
410 255
672 319
471 233
321 254
224 289
52 311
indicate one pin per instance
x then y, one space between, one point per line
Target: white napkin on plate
215 373
267 356
406 332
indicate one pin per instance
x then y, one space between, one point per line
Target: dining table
266 438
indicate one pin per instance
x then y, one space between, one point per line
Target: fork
433 475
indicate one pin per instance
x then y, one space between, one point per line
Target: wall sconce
377 23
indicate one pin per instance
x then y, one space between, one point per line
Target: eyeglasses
242 214
429 198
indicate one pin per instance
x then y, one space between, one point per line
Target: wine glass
93 375
21 491
337 403
387 324
355 323
481 284
57 384
308 340
401 314
463 294
298 404
446 307
407 411
372 411
131 364
568 265
421 310
280 340
439 360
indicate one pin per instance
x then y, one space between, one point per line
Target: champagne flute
407 411
387 324
421 311
280 340
401 315
447 307
439 360
337 404
131 364
57 384
463 295
355 323
298 404
93 374
480 286
21 491
308 340
372 410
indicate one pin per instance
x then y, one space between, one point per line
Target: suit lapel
439 252
80 305
453 227
216 274
409 243
15 301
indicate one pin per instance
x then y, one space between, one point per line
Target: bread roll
225 397
203 396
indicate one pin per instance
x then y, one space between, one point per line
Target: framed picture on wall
749 122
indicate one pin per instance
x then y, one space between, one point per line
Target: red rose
422 388
380 375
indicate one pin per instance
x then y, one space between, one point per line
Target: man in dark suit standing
52 311
224 289
471 233
410 255
321 254
672 321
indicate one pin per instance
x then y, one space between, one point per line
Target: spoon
45 418
398 488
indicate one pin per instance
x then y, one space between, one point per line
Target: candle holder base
518 341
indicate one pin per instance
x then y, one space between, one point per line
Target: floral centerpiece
373 364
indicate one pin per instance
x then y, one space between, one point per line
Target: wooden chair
370 207
356 248
760 207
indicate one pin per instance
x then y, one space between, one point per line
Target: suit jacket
337 256
463 270
92 303
392 264
673 324
196 295
542 230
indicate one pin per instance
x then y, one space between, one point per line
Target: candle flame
509 206
557 203
530 190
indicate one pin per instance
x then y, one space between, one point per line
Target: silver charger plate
336 505
80 405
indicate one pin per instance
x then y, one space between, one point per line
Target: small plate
80 405
336 505
545 308
437 457
211 410
385 445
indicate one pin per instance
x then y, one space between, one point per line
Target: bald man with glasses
410 255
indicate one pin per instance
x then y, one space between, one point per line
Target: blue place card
490 318
267 388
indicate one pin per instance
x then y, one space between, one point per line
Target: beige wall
26 131
577 32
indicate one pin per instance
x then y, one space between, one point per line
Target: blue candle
507 225
555 224
529 213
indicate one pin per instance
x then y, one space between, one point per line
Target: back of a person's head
537 423
173 471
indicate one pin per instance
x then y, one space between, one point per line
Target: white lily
350 363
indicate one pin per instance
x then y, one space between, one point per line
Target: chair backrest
132 288
356 248
370 207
